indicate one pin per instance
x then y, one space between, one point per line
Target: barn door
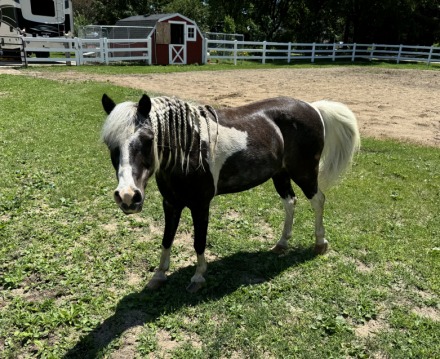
177 47
177 55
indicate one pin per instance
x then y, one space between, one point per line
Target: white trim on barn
183 17
188 38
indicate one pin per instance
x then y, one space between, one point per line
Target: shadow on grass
223 277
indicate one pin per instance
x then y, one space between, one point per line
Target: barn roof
143 20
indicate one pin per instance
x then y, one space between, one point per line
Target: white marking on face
230 141
125 171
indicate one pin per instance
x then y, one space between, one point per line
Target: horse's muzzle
129 200
131 209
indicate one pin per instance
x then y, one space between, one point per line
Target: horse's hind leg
308 182
284 188
317 202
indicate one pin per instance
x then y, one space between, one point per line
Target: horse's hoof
155 283
194 287
321 248
279 248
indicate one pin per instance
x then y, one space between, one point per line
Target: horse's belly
247 169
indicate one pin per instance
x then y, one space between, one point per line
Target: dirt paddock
402 104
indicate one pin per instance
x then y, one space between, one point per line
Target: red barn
175 39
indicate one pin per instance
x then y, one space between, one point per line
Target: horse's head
129 137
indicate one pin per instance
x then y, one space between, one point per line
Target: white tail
341 141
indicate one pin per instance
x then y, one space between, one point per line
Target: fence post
80 53
288 53
150 51
23 52
430 55
101 45
206 50
400 51
235 52
203 51
75 44
106 52
371 53
354 52
264 52
334 51
313 52
68 45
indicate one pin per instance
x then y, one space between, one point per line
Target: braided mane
170 119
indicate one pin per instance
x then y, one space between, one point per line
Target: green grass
135 68
73 268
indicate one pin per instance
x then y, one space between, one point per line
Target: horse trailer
33 18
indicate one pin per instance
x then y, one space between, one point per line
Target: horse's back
280 121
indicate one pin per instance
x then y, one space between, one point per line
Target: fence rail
117 46
44 45
101 50
252 50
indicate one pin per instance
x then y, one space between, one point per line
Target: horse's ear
144 106
108 104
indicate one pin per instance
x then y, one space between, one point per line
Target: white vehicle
33 18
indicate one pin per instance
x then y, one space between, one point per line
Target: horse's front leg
200 218
172 218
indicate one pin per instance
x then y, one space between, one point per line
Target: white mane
169 119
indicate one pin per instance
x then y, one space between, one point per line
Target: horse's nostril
137 198
118 198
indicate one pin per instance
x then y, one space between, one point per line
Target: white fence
88 50
251 50
43 45
122 47
104 50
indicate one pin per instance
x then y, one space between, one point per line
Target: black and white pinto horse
197 152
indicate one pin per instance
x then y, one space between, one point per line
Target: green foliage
331 325
229 25
193 9
370 21
80 20
108 12
363 21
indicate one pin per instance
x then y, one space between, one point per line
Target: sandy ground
402 104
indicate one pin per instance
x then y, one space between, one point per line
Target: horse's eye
114 154
146 135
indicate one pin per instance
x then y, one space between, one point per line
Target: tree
271 16
110 11
193 9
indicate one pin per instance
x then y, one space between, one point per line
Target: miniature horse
197 152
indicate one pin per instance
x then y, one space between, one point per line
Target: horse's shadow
223 277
